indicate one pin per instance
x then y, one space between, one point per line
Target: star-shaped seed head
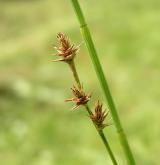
99 116
80 97
66 50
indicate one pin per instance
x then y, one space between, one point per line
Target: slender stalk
88 109
100 132
107 146
74 71
104 85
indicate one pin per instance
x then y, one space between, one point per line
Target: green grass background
36 126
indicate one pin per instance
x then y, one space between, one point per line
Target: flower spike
81 98
66 50
99 116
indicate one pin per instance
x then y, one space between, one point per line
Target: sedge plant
67 52
103 82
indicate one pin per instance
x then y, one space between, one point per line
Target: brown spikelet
80 97
66 50
99 116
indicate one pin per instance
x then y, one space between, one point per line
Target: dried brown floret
99 116
66 50
81 98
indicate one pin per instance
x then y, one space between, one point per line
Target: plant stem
104 85
74 71
100 132
107 146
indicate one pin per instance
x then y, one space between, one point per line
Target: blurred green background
36 126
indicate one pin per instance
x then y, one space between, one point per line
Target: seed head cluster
99 116
66 50
80 97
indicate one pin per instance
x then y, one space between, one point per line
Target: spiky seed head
66 50
80 97
99 116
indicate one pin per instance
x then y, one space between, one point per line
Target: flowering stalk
104 85
74 71
97 118
68 52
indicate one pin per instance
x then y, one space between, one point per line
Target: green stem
104 85
107 146
74 71
88 109
100 132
